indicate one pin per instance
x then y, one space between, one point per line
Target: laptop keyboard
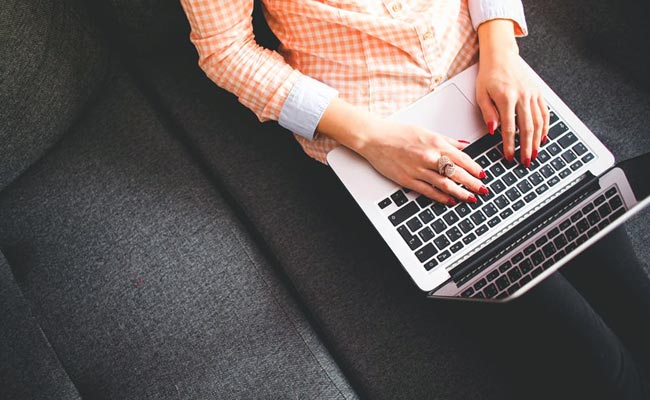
434 231
533 258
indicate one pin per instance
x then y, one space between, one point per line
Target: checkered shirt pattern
379 54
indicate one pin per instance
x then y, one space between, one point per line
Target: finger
489 111
447 185
538 122
526 131
506 106
431 192
464 161
546 115
463 177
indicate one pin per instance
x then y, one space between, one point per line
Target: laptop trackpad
446 111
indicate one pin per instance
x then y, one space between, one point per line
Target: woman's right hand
408 155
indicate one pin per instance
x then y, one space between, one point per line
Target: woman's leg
610 277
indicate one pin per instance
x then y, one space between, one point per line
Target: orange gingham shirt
378 54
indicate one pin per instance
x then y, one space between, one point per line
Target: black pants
583 333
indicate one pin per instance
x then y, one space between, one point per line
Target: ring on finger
446 167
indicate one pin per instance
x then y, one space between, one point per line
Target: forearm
496 37
347 124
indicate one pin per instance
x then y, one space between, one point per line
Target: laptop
533 221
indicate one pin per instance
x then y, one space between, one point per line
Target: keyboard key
553 118
560 241
477 217
586 209
513 289
610 192
490 291
530 197
580 149
509 179
505 266
603 224
463 209
514 274
505 213
497 187
483 162
468 292
517 258
615 203
537 271
567 140
494 222
441 242
404 233
537 258
439 226
456 246
548 249
454 234
604 210
541 189
565 224
558 163
576 216
524 186
479 295
431 264
553 232
426 234
496 170
581 240
492 275
593 218
426 216
481 230
576 165
423 201
489 210
414 224
571 233
385 203
553 149
536 179
466 225
399 198
450 218
569 156
502 282
557 130
501 202
444 255
525 266
403 213
547 171
406 190
513 194
540 242
520 171
534 165
548 264
564 173
582 226
426 252
469 238
553 181
559 255
494 154
588 157
414 242
480 284
438 208
599 200
543 156
518 205
529 249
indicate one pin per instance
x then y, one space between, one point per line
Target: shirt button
437 80
397 7
427 35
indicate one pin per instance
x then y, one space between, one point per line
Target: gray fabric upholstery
141 277
51 65
29 368
374 319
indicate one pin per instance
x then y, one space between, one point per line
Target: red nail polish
482 175
483 190
492 126
510 158
526 162
544 139
463 141
534 156
472 199
451 202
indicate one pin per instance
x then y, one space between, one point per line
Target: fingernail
451 202
526 162
534 156
483 190
472 199
463 141
544 139
492 126
482 175
510 158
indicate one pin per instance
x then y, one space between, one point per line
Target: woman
344 65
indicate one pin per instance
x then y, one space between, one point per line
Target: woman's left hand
507 93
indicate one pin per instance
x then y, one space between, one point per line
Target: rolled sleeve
485 10
305 105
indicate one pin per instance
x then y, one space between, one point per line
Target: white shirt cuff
485 10
305 105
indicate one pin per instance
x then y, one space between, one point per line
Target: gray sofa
158 242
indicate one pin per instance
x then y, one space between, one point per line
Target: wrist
351 126
497 39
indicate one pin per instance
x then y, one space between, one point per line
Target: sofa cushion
142 278
29 368
51 66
